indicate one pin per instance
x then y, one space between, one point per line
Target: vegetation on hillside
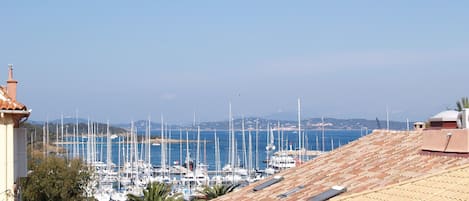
36 131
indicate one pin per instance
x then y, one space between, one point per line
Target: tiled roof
6 103
449 185
371 162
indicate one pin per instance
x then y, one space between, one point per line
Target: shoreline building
13 141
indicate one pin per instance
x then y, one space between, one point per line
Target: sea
176 153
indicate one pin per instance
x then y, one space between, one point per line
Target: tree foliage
55 178
213 192
155 191
463 103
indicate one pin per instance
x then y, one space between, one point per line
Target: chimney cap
10 73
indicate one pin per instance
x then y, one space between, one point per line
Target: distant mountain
249 123
69 127
58 121
141 125
284 116
334 123
263 123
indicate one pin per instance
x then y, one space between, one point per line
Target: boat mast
108 150
169 150
88 139
387 117
216 153
119 165
233 146
143 142
47 137
279 140
197 160
75 136
299 129
44 140
62 128
250 153
131 144
149 141
205 151
230 139
198 147
323 144
257 144
127 153
56 138
218 156
268 134
408 126
317 142
162 146
282 140
244 144
187 151
180 151
136 158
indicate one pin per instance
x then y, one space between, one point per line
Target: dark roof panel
334 191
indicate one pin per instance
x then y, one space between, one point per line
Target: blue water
340 137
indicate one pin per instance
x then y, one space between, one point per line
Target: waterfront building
13 141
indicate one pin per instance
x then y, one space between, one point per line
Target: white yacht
282 161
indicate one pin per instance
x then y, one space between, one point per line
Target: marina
190 159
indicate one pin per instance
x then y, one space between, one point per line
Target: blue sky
124 60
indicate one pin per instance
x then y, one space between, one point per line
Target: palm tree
209 193
154 192
463 103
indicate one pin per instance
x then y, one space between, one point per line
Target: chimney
11 83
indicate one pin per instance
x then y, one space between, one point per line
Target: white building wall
3 162
7 159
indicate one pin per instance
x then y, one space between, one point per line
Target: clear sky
124 60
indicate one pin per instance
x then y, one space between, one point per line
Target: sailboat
270 140
198 176
269 149
281 159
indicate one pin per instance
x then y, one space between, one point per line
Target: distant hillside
58 121
69 128
141 125
250 123
312 123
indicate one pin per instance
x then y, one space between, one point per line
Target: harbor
190 159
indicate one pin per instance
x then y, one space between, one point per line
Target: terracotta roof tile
450 184
6 103
372 162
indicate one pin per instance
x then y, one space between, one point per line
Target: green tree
213 192
55 178
463 103
155 192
